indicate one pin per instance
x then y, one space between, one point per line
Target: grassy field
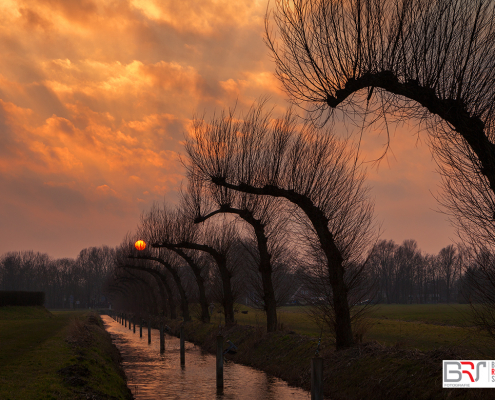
36 346
421 326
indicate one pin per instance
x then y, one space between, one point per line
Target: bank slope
60 355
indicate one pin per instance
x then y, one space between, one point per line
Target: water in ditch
151 375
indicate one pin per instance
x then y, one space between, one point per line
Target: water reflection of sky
152 375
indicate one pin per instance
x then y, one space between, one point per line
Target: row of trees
404 275
401 273
432 60
61 280
429 61
183 269
299 207
185 282
295 191
293 194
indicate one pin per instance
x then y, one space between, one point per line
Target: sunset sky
95 97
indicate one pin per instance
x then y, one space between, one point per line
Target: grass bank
400 358
414 326
60 355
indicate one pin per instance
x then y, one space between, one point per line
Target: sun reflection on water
151 375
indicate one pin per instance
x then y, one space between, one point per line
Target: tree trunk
265 266
205 315
266 278
162 278
343 327
270 301
183 296
228 297
221 260
170 298
163 295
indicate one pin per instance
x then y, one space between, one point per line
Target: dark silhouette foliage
21 298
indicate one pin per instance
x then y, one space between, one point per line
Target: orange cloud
95 97
34 21
206 17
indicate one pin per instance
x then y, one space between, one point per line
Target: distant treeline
400 273
404 274
64 281
21 298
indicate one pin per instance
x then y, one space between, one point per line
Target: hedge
19 298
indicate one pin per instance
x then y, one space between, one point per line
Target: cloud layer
95 97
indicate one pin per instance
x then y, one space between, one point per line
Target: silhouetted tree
172 230
126 258
178 227
94 263
265 216
449 268
307 167
438 54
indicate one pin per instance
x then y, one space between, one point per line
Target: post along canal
151 375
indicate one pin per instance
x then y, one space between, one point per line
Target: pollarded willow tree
266 218
437 53
310 168
127 257
162 224
173 230
132 290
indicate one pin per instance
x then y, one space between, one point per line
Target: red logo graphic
467 372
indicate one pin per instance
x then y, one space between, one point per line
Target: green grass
291 318
31 352
33 348
18 313
427 336
439 314
420 326
427 327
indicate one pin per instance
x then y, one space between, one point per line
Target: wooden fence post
219 362
162 339
149 331
317 378
182 347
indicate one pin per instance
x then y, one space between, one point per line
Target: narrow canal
151 375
